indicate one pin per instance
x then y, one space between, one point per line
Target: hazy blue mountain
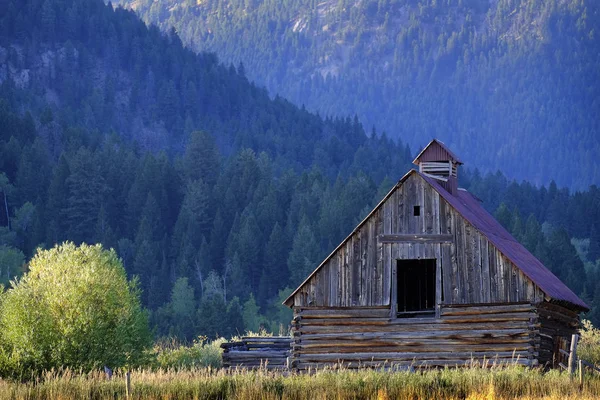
510 84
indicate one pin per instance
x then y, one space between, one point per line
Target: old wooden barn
430 278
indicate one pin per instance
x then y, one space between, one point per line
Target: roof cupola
438 162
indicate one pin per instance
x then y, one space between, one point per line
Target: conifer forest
222 175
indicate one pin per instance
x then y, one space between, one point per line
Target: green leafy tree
74 308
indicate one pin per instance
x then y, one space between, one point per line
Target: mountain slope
105 70
99 144
509 84
112 132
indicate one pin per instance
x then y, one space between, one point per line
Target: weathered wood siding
556 323
362 271
367 337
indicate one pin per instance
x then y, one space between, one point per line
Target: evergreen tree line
507 84
219 242
221 206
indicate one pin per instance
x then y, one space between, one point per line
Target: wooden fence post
573 354
580 374
128 384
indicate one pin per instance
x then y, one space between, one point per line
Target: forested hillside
509 84
217 197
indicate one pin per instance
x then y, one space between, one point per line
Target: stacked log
557 324
368 337
251 352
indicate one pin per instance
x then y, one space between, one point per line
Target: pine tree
57 199
594 250
218 239
235 318
302 258
86 189
201 161
145 265
249 245
503 215
273 273
149 228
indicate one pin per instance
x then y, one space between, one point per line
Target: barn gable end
361 271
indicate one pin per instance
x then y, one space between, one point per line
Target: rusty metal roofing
436 151
472 210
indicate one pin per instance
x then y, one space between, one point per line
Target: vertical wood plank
373 243
420 201
485 269
436 212
514 283
348 274
428 212
493 274
410 201
447 273
445 218
394 212
364 253
531 291
401 199
438 278
339 268
356 264
387 273
379 265
460 257
456 277
501 277
477 276
471 262
394 279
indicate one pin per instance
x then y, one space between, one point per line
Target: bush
589 345
200 354
73 309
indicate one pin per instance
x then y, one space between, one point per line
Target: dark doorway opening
416 288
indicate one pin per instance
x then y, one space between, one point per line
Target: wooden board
471 270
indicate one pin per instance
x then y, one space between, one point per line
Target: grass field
472 383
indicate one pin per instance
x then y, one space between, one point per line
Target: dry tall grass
207 383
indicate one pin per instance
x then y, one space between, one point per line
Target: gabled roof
436 151
470 208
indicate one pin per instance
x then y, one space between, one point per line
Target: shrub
200 354
75 309
589 345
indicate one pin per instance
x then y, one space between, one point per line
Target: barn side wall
362 271
557 324
367 337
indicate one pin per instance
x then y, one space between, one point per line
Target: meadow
210 383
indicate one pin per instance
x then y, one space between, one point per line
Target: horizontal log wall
556 322
361 271
506 333
257 352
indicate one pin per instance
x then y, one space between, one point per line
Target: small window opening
417 211
416 288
